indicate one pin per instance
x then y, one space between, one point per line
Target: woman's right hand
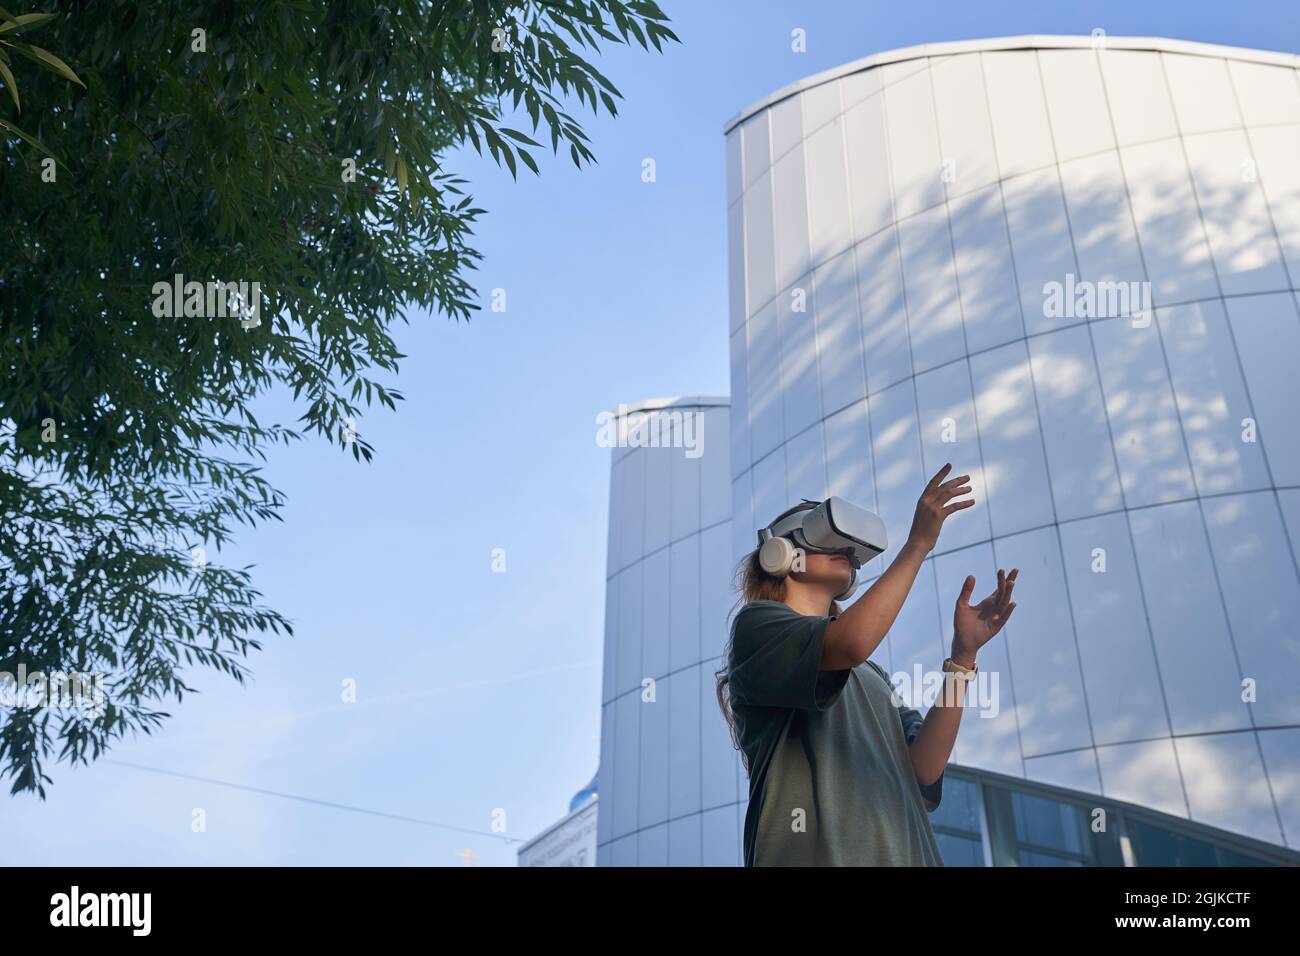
936 504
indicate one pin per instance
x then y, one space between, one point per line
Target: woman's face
832 571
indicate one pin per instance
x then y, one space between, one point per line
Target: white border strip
1152 44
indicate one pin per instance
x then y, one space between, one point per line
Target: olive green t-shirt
831 783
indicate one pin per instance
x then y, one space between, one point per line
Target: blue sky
479 692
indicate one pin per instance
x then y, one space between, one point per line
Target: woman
839 773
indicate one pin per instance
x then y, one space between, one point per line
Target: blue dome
584 796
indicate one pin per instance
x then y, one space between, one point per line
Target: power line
312 800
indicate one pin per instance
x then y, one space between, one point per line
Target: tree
296 145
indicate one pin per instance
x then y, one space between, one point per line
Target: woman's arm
973 627
854 636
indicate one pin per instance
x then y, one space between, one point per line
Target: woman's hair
752 583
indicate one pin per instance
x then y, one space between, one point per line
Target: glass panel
1265 328
959 809
627 765
624 851
1155 846
790 218
1201 92
757 148
948 434
1226 786
684 841
1148 436
1202 689
655 622
610 671
710 428
805 457
721 846
1043 647
629 627
913 145
990 731
821 104
959 851
685 472
766 418
680 695
856 87
760 248
839 333
1014 470
896 449
652 807
982 253
801 396
1258 577
1075 430
1169 227
1137 95
614 547
735 171
1275 150
652 846
918 637
743 523
828 192
736 265
1281 752
605 775
884 315
1075 770
1076 102
787 126
965 133
1019 115
1040 239
739 402
1031 830
658 489
1212 399
864 134
770 497
716 595
1266 94
1245 250
685 603
1145 774
632 500
1119 664
933 310
1102 226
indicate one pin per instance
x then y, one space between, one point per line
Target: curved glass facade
1069 269
670 782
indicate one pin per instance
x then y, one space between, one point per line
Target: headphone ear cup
776 556
853 586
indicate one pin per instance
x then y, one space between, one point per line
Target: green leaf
48 60
5 124
11 85
25 21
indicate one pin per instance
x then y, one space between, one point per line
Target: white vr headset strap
776 556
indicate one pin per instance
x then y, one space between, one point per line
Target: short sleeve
776 656
911 719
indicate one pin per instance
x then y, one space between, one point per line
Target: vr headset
833 526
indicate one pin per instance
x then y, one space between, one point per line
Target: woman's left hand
974 625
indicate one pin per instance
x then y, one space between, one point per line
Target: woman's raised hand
936 504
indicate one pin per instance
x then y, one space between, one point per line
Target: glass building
1068 266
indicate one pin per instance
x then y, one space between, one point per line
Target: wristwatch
953 667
